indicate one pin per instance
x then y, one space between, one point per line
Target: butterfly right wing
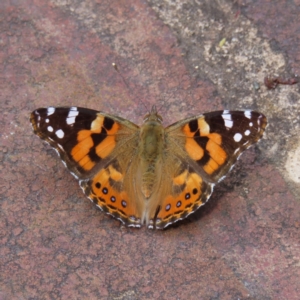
200 151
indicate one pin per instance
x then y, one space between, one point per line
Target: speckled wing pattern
167 181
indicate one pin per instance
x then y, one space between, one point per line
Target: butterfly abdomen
150 155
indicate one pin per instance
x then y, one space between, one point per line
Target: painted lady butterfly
150 174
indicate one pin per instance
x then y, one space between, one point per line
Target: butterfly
148 175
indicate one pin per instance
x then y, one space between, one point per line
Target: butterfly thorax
150 153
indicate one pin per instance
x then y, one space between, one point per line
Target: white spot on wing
50 111
258 120
226 116
250 124
247 132
50 128
237 137
73 113
61 148
59 133
47 120
236 151
227 119
247 114
71 120
228 123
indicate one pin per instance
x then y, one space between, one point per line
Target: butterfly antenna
144 105
126 84
159 108
124 81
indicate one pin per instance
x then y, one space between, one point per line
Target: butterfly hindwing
106 189
188 192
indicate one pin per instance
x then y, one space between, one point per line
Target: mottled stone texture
54 244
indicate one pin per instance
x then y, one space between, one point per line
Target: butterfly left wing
96 148
204 148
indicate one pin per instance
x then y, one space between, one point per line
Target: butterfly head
153 116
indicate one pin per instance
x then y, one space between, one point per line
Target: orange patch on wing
102 176
80 153
187 131
193 149
112 201
82 149
106 146
196 152
114 129
194 179
114 174
86 163
216 152
83 135
210 166
215 137
109 143
181 178
186 200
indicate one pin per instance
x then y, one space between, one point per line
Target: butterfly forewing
84 138
215 140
